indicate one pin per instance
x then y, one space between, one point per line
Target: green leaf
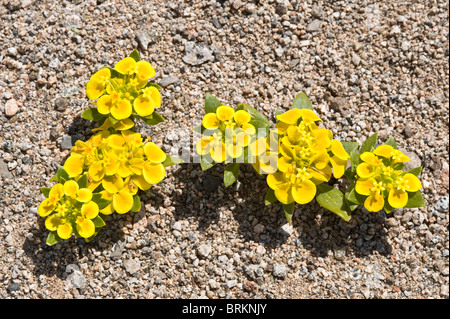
92 114
102 203
254 113
350 147
115 73
391 142
278 112
206 163
289 211
52 238
135 55
415 200
45 191
354 160
136 204
270 197
112 119
153 119
387 207
355 198
231 174
54 178
211 103
88 240
83 181
302 102
154 85
62 175
171 160
98 222
415 171
369 144
350 174
332 199
199 129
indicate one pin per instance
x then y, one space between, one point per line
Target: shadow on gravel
320 231
205 196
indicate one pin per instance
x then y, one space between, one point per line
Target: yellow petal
320 160
56 192
370 158
284 164
322 138
218 152
242 117
153 153
210 121
122 125
282 127
89 210
248 128
121 110
397 198
153 173
413 183
112 184
374 203
94 89
235 151
284 193
290 117
304 192
384 150
96 171
145 70
136 165
143 106
108 210
268 163
126 66
309 116
52 222
45 208
116 141
339 166
85 227
202 145
398 156
84 195
65 231
74 165
364 186
104 104
71 188
140 182
275 180
338 150
365 170
122 201
225 113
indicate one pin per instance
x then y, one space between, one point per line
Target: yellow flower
74 165
49 204
387 151
142 69
294 185
398 195
380 181
145 104
97 84
122 201
85 227
212 145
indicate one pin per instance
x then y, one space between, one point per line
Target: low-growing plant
104 174
300 158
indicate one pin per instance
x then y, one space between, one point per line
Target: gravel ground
366 65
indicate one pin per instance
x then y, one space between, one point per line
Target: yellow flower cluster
307 156
229 134
69 208
378 179
104 174
124 91
121 163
